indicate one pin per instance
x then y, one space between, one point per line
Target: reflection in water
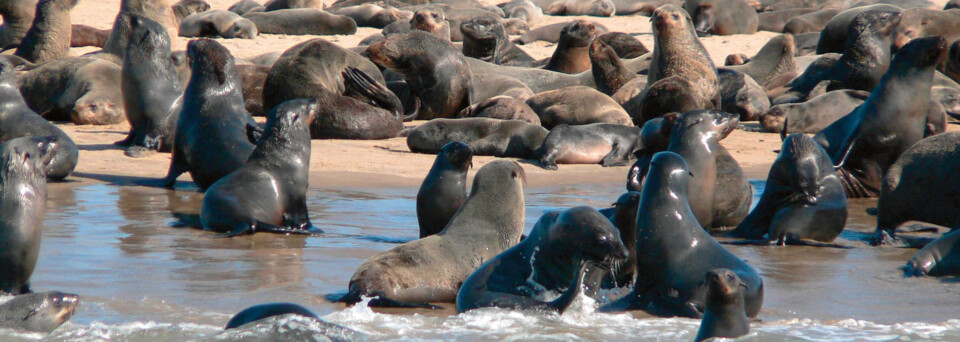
119 248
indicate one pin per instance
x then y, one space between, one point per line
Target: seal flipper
361 86
561 304
614 157
254 133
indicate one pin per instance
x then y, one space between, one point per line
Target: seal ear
254 133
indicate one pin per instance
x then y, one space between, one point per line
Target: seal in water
803 198
725 315
868 140
269 192
938 258
23 201
257 313
552 259
674 251
210 140
40 312
444 189
433 268
152 95
487 137
49 37
17 120
599 143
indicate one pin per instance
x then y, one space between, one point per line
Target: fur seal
444 189
443 89
558 250
608 70
625 45
484 38
623 215
572 55
774 59
833 38
84 90
152 96
596 8
502 107
218 23
925 22
599 143
722 17
813 115
302 21
870 139
724 315
938 258
268 193
17 19
524 10
803 198
83 35
773 21
156 10
370 15
551 32
741 95
577 106
489 222
674 251
23 201
430 20
185 8
17 120
210 140
276 5
487 137
811 22
246 6
38 312
49 37
259 313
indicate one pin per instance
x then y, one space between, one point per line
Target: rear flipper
618 156
361 86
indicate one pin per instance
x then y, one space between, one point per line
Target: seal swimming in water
803 198
724 315
674 251
489 222
23 201
552 258
487 137
599 143
444 189
39 312
258 313
269 192
938 258
210 140
152 96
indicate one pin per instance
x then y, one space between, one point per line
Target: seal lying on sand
487 137
599 143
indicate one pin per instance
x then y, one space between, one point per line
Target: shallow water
142 278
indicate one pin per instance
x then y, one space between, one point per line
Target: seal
558 249
741 95
599 143
925 22
156 10
722 17
185 8
49 37
218 23
370 15
17 19
803 198
23 201
773 60
268 193
502 107
811 22
83 35
654 137
210 140
833 38
444 189
724 315
524 10
38 312
937 259
18 120
674 251
152 97
551 32
572 55
866 142
246 6
774 21
917 186
596 8
489 222
577 106
258 313
443 89
84 90
484 38
302 21
275 5
813 115
608 70
252 79
952 67
625 45
487 137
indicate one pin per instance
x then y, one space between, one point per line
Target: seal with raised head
774 59
489 222
484 38
185 8
552 259
23 201
722 17
444 189
151 89
302 21
38 312
577 105
572 55
210 140
724 315
17 120
269 192
218 23
834 36
608 70
803 198
157 10
938 258
599 143
49 37
487 137
674 251
866 142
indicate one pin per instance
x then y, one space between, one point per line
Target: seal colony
600 98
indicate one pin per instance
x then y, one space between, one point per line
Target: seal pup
803 198
813 115
741 95
444 189
599 143
259 313
866 142
23 201
269 192
49 37
487 137
577 105
152 96
724 315
218 23
558 249
572 55
18 120
625 45
489 222
210 140
674 251
938 258
38 312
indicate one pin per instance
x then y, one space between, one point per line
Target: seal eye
513 174
676 17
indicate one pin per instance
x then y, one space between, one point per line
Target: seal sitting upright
551 259
433 268
674 251
444 189
725 315
269 192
